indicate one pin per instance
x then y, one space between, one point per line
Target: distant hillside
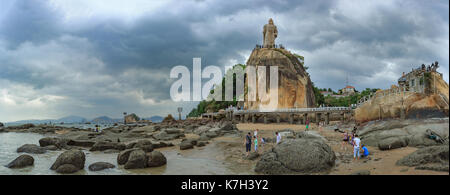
155 119
68 119
105 119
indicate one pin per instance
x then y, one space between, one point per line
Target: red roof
349 87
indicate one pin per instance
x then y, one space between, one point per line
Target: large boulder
427 155
51 141
156 159
165 136
81 143
200 130
145 145
136 160
131 118
76 158
47 141
392 134
188 144
123 156
162 145
227 126
98 166
102 146
21 161
297 156
31 149
67 168
212 133
392 143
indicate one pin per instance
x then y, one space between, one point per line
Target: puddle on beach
199 161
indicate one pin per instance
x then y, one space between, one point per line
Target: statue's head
270 21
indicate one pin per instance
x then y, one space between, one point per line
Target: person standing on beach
356 146
345 141
256 133
262 142
248 143
278 137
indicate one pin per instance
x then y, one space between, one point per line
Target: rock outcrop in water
21 162
131 118
98 166
136 160
293 156
31 149
69 162
156 159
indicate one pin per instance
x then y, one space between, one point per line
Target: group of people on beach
348 139
353 140
249 140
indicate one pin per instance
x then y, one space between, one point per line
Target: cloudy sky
103 57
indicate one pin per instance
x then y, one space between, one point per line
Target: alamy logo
261 85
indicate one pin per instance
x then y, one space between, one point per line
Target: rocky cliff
132 118
388 104
295 87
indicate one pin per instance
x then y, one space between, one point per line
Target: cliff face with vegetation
295 89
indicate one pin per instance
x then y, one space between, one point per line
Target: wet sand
381 163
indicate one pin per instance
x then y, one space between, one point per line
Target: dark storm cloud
115 59
30 20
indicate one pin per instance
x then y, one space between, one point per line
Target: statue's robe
270 34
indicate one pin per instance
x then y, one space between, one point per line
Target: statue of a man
270 34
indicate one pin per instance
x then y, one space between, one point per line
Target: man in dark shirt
248 143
